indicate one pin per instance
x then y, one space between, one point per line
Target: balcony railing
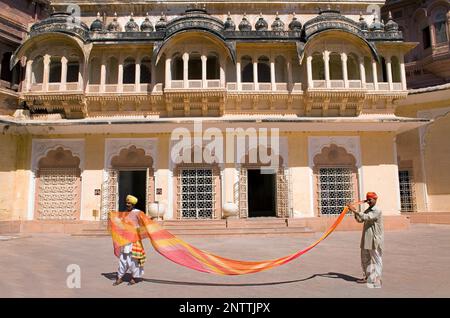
55 87
355 84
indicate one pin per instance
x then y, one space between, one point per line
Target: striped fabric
138 252
184 254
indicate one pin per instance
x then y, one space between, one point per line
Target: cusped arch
132 157
181 35
59 158
248 159
332 156
342 35
40 40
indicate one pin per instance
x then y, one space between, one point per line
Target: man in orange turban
371 241
132 256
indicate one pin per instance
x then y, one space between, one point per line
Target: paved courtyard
416 264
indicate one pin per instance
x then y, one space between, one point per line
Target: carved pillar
185 70
168 73
375 74
255 75
326 61
289 73
238 75
204 58
153 75
46 74
137 75
389 72
309 71
63 87
103 75
272 74
222 73
362 72
28 73
120 76
344 69
403 72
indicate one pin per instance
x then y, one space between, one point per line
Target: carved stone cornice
62 22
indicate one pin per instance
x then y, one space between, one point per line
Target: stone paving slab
416 263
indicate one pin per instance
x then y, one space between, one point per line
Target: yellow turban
133 200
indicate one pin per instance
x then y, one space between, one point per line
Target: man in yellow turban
132 255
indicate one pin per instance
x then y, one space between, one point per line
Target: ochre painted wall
379 172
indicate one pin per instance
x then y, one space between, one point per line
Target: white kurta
126 262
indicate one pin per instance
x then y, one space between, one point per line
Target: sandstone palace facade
103 85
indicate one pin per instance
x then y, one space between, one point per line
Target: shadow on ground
113 276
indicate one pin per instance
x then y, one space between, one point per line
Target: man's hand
351 207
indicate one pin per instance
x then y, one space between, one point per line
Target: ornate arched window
58 186
73 69
177 67
336 179
129 71
55 69
263 70
280 69
212 66
318 66
247 69
336 67
37 75
146 67
94 71
112 71
353 67
395 66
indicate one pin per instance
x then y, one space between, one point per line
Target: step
242 231
218 231
257 223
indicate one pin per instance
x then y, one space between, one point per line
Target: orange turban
133 200
371 195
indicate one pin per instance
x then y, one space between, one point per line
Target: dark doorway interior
132 182
261 193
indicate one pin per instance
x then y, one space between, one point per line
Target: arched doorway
263 192
58 186
130 172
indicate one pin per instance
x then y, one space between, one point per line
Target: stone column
403 72
63 86
326 61
389 72
309 71
46 71
185 70
168 73
375 74
102 75
255 75
289 74
222 73
238 75
272 74
28 74
137 75
362 72
204 58
153 76
344 69
120 76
